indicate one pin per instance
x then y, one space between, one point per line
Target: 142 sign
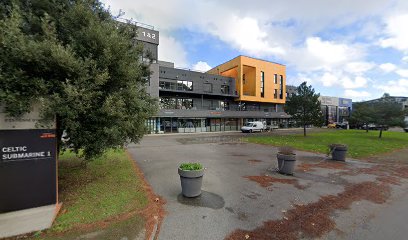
149 35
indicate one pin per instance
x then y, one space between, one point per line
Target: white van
253 127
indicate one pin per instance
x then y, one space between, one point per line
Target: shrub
191 166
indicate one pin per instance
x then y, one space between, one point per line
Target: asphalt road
230 201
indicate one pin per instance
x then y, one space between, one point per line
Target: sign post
28 174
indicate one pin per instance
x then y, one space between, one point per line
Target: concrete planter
286 163
191 182
338 152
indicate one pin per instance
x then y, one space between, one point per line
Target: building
222 99
335 109
290 90
403 101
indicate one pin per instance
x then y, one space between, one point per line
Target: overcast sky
345 48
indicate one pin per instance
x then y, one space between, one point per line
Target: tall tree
304 107
387 113
384 112
361 115
81 65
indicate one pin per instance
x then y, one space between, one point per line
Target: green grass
106 187
360 143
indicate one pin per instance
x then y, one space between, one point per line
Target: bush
191 166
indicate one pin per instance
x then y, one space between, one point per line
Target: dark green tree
81 65
304 107
387 112
383 112
361 115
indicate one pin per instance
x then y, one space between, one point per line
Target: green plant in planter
191 166
191 177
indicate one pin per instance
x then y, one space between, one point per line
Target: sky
351 48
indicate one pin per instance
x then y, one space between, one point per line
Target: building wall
335 109
153 84
202 82
251 69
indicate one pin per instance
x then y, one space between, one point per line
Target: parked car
342 125
373 126
253 127
331 125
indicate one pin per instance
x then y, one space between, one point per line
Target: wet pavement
231 200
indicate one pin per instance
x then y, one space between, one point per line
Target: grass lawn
105 188
361 144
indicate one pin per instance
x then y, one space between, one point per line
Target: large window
176 103
224 105
179 85
225 89
262 83
281 80
275 78
275 93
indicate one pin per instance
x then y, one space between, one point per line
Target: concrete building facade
222 99
335 109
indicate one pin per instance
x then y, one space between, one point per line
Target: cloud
246 35
358 82
318 54
402 72
172 51
357 95
395 88
201 66
388 67
358 67
397 33
404 59
329 79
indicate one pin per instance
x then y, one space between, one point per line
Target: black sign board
27 169
147 35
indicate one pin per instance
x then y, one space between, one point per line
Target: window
275 93
281 94
167 103
275 78
262 83
281 80
176 103
243 78
224 105
184 103
179 85
225 89
207 87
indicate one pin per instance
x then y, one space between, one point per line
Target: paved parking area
243 196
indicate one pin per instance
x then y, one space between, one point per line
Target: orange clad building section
256 80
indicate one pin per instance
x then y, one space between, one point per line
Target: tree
304 107
384 112
361 115
387 113
81 65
